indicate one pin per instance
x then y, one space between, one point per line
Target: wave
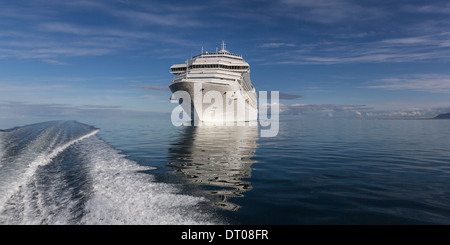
60 172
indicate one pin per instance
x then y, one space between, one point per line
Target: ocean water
147 171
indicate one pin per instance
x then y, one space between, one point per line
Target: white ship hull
232 106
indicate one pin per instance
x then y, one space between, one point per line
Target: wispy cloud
329 12
49 36
32 45
152 87
99 107
61 27
363 32
407 113
16 109
325 109
435 83
137 12
54 62
7 87
146 18
276 45
361 111
422 48
427 8
286 96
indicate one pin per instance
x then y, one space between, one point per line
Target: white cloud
434 47
435 83
54 62
362 111
47 34
328 12
16 109
165 19
276 45
435 8
302 109
409 40
66 28
152 87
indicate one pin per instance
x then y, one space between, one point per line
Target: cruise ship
218 87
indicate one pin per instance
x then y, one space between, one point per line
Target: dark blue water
146 171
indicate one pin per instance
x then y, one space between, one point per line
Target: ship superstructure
207 75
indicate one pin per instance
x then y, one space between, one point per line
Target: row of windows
218 54
179 69
247 86
219 66
211 66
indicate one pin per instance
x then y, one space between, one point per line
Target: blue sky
341 58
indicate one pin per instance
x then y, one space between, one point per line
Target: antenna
202 49
223 45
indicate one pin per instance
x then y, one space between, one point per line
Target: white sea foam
123 195
115 191
1 148
39 152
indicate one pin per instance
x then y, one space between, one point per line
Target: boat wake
60 172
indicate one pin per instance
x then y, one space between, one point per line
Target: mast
223 46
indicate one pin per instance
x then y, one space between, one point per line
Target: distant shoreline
442 116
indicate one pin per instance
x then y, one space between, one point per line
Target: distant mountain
442 116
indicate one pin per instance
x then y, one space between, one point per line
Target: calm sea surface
147 171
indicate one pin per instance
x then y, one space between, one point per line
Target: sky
340 58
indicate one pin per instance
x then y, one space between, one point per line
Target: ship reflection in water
216 158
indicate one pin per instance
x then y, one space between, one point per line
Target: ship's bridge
223 60
206 61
